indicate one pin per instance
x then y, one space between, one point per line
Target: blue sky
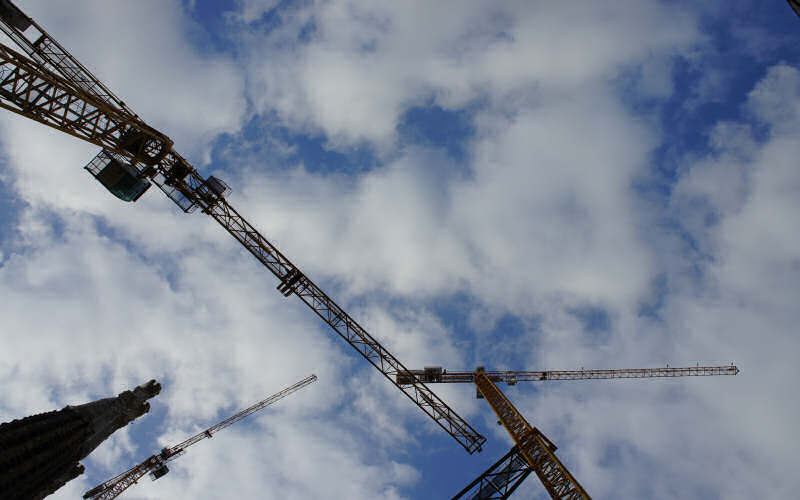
530 185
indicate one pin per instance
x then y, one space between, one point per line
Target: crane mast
56 90
500 480
156 465
435 374
538 451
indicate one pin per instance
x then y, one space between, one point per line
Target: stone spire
40 453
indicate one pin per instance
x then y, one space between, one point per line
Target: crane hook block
121 179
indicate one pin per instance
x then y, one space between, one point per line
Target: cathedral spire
40 453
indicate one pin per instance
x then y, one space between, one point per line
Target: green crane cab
122 179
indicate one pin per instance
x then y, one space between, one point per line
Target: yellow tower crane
51 87
534 446
533 450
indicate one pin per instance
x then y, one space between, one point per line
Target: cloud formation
542 246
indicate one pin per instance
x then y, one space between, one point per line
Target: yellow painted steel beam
533 445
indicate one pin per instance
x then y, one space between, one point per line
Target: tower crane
537 450
50 86
156 465
501 479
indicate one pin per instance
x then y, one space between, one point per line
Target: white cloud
190 94
542 219
364 65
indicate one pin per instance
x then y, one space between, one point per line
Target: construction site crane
156 465
436 374
53 88
500 480
537 450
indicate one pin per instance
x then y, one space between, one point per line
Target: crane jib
60 92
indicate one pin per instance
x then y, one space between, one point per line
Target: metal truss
433 375
48 53
39 94
292 280
500 480
30 89
157 464
533 445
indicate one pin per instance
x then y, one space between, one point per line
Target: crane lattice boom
157 464
48 53
538 451
500 480
59 92
435 374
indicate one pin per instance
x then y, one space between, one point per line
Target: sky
520 185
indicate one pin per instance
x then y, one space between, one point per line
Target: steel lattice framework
538 451
116 485
75 102
434 375
48 53
500 480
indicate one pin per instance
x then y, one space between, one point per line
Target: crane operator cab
122 179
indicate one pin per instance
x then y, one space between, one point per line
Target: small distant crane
500 480
156 465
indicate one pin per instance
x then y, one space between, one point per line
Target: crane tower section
500 480
538 451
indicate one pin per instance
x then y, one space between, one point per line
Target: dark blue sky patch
213 16
282 148
455 310
742 42
163 265
513 340
614 455
10 208
596 323
652 304
444 473
432 126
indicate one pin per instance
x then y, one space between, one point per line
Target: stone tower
40 453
